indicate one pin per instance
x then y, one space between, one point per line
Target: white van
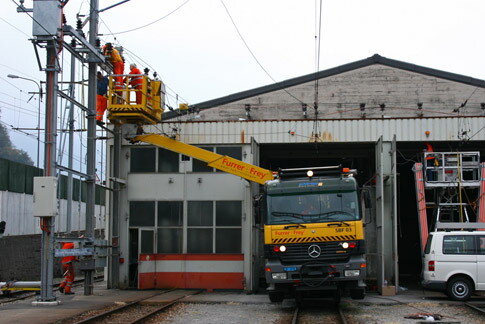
454 262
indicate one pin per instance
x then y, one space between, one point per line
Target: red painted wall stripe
204 280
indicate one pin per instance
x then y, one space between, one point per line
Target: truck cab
313 235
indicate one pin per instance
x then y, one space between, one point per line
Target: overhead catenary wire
252 53
317 66
151 23
13 26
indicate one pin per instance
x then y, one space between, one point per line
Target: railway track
478 306
338 316
136 311
24 295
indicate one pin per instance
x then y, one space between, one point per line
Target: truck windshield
313 208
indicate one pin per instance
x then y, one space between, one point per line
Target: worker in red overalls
101 99
68 270
116 60
430 161
136 82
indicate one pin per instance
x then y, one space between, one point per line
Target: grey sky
198 53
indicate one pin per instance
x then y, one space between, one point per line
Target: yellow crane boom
221 162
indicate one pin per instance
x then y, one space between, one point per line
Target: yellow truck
313 234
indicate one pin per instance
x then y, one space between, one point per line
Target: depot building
184 224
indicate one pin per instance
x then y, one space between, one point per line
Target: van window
459 244
427 248
481 244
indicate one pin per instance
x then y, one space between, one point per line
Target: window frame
185 227
474 242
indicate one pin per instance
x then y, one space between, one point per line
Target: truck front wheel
357 293
276 296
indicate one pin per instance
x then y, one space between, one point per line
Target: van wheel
276 296
459 288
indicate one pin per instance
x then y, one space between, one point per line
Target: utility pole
72 88
47 223
91 143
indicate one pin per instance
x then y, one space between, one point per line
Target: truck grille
298 253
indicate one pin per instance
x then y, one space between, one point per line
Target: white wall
16 211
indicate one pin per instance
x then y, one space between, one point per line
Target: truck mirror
257 201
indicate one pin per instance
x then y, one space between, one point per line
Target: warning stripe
314 239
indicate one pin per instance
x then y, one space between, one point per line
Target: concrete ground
24 312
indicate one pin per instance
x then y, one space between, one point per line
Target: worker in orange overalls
117 61
136 82
431 161
68 270
101 100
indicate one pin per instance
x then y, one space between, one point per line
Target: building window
200 220
228 226
168 161
199 213
169 222
142 213
228 213
142 159
228 240
212 230
210 226
199 240
459 244
146 241
201 166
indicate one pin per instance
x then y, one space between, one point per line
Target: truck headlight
352 273
278 275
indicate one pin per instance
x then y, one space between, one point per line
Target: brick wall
20 257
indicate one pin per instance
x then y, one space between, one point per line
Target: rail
339 314
144 311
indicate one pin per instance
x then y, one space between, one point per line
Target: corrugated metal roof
351 130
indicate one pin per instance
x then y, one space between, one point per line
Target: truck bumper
316 276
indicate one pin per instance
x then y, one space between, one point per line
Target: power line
251 52
151 23
15 27
317 66
132 53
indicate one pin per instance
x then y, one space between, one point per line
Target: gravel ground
355 313
359 313
223 313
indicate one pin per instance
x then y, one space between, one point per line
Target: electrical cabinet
45 196
47 18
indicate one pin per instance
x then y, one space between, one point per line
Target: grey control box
45 197
47 18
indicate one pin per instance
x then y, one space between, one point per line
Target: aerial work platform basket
139 105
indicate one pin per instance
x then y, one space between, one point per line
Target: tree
10 152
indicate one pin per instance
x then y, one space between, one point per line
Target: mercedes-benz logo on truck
314 251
